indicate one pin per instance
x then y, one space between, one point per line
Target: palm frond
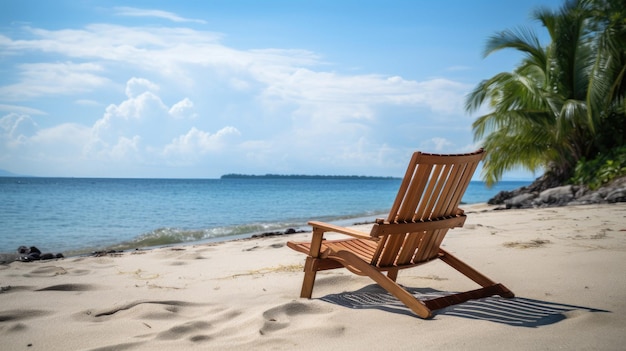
563 98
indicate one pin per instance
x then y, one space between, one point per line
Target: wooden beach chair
425 208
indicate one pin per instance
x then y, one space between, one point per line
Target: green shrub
600 170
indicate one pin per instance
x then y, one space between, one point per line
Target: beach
564 264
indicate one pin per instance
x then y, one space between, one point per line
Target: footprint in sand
299 316
52 271
21 314
181 256
119 347
10 321
132 305
46 271
205 330
183 330
150 310
271 246
186 259
7 289
69 287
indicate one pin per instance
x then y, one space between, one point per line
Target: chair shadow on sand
517 311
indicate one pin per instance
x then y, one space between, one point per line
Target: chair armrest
382 227
327 227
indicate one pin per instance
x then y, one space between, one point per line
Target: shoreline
564 264
124 247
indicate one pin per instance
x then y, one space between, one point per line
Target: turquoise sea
80 215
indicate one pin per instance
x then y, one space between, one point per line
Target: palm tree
540 116
607 85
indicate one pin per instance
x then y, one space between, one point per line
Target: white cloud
69 135
44 79
23 141
86 102
146 104
438 144
52 151
182 109
21 109
157 48
197 142
239 84
136 12
16 128
310 87
132 117
126 149
143 128
136 86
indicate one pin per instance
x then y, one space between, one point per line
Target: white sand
564 264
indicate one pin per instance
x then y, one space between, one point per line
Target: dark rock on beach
539 195
32 253
106 253
268 234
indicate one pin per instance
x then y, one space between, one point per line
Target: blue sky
197 89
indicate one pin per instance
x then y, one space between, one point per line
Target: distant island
301 176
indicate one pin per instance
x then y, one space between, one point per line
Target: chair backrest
430 192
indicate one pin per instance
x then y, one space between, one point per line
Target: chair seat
365 249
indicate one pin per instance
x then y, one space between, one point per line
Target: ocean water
80 215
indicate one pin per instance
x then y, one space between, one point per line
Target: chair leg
473 274
393 274
310 271
386 283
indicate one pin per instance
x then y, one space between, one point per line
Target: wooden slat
430 247
414 193
408 176
438 186
390 251
447 192
454 197
408 250
467 178
439 236
362 248
434 210
422 253
428 197
304 247
381 245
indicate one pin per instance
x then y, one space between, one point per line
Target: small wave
163 236
171 236
174 236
